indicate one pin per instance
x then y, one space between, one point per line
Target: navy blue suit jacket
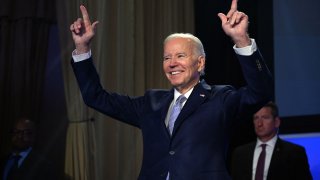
288 161
198 146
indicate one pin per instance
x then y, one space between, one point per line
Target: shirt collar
271 142
24 153
177 94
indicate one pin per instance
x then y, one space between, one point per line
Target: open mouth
175 72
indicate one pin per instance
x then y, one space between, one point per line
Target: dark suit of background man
284 160
31 165
197 147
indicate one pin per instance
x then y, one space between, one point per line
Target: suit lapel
197 97
248 165
273 168
166 101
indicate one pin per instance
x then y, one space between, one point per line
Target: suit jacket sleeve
121 107
258 91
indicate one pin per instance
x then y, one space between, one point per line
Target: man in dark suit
25 162
194 144
283 160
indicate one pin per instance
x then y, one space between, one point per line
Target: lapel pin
202 95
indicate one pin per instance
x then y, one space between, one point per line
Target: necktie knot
180 100
16 157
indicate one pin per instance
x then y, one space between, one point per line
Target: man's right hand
83 31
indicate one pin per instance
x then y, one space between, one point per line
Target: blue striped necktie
175 112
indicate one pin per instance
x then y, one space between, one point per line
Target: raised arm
235 24
83 31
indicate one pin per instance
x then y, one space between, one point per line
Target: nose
18 136
259 122
173 62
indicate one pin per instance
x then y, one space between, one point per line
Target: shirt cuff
80 57
248 50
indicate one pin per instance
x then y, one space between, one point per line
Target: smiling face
182 64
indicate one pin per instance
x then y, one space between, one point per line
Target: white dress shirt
269 150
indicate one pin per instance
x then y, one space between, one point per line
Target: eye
166 58
268 117
181 56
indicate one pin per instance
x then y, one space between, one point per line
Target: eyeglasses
22 132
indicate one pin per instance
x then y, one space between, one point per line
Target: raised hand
235 24
83 31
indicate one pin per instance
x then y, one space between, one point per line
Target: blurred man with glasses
25 162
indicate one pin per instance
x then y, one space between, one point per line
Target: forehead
264 110
24 125
177 44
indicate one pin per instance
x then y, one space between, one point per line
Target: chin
175 82
176 85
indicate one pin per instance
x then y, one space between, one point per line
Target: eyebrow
182 53
179 53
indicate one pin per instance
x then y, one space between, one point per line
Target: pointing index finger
233 8
85 15
234 5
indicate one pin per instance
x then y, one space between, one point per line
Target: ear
202 63
277 122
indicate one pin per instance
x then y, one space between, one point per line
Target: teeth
175 72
